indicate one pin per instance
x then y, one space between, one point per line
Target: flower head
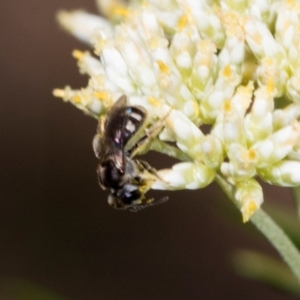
233 65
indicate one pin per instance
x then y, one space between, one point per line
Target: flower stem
266 269
279 240
270 230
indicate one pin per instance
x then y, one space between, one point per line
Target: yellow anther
252 154
249 210
227 71
163 68
270 85
182 22
227 105
77 54
121 11
153 101
101 95
76 99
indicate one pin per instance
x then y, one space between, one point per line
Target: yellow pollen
270 85
227 105
101 95
227 71
78 54
153 101
163 68
250 210
150 200
182 22
121 11
252 154
76 99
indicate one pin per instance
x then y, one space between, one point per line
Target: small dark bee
116 142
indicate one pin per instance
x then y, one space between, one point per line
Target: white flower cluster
231 64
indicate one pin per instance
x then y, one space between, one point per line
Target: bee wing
121 124
113 132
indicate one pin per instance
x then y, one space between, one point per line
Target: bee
117 140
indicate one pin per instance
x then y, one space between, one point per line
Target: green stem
279 240
270 230
261 267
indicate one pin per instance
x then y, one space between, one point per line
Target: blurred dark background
58 236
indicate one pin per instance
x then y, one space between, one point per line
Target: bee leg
152 201
143 144
160 201
143 165
147 203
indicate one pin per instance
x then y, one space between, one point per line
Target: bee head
127 197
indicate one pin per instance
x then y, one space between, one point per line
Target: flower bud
249 195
